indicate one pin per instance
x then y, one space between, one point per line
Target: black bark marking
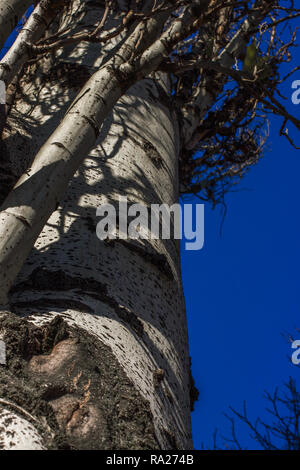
93 124
158 377
58 281
159 260
53 303
7 175
153 154
149 149
125 80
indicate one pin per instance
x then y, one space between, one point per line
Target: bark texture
116 101
31 202
36 26
96 335
11 12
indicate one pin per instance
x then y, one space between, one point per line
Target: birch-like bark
11 11
124 382
34 29
29 205
95 332
26 437
122 300
96 336
37 193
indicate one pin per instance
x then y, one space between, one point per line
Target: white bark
26 211
33 30
11 12
126 298
17 433
29 205
95 332
121 165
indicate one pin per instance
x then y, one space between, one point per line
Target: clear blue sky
242 289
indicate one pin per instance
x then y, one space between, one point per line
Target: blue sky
242 289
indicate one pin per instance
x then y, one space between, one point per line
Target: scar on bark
73 386
151 151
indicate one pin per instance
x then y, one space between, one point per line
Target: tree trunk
96 335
